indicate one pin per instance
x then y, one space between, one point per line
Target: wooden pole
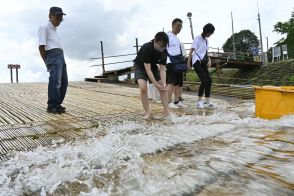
16 75
137 45
102 55
11 76
218 72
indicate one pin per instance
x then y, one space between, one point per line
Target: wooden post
137 46
102 57
11 67
129 77
17 75
11 76
218 71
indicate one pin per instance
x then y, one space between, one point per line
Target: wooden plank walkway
25 124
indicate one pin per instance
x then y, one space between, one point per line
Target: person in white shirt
201 62
52 54
174 79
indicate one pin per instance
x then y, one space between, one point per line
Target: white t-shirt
174 46
184 52
48 36
200 46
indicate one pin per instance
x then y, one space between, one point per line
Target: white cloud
117 24
78 70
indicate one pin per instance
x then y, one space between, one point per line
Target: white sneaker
208 105
200 104
181 105
172 105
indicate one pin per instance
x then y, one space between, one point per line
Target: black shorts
173 77
140 73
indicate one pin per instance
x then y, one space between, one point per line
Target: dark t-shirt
147 54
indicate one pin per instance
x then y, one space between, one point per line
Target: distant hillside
238 83
277 73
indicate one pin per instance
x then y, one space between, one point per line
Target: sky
117 23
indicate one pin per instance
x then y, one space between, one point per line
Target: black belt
54 49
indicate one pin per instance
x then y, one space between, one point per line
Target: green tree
245 40
288 29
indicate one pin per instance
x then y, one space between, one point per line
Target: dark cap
56 11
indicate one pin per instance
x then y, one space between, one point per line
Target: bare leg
164 101
177 93
170 90
180 92
144 96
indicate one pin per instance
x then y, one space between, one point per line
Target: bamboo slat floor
25 124
102 145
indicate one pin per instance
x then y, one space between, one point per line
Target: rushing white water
224 151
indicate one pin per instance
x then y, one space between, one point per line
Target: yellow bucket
273 102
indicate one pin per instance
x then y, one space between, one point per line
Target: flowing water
226 151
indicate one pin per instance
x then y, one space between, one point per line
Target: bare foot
147 116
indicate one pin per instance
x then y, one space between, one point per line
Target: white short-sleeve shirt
48 36
200 46
174 46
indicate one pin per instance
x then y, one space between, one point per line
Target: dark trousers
58 80
173 77
203 74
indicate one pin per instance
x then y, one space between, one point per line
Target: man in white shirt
174 79
52 54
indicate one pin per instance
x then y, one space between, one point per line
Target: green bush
191 76
291 78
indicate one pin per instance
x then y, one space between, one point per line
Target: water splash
225 151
